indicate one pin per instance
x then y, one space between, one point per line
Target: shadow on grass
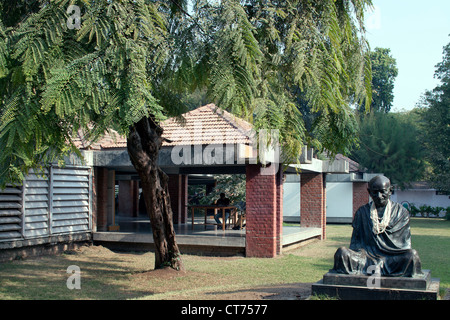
46 278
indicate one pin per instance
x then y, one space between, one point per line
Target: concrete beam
323 166
111 158
335 166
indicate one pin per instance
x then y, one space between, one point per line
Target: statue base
363 287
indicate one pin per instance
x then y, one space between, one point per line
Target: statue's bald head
380 190
379 181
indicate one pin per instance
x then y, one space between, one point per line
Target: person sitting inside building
222 201
240 223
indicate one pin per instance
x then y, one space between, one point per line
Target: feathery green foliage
261 60
263 55
56 81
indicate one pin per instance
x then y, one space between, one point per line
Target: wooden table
215 208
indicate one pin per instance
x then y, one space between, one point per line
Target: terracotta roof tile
353 165
111 139
202 126
206 125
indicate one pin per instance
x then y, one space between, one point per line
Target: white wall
291 198
339 201
421 197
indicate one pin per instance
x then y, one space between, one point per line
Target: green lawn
431 239
111 275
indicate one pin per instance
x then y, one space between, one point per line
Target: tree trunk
143 143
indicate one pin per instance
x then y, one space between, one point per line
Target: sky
416 32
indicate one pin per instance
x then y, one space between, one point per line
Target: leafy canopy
390 144
139 58
384 72
436 125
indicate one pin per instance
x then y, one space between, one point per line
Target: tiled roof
352 165
111 139
202 126
206 125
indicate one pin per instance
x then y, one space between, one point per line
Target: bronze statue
381 238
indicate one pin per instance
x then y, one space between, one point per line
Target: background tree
390 144
436 125
384 72
132 61
233 185
387 143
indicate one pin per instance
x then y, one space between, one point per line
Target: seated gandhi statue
381 238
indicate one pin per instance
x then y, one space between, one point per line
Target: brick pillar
324 208
100 207
178 197
360 195
184 198
279 218
313 201
264 213
128 198
111 193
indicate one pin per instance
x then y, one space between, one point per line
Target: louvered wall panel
10 213
70 201
37 206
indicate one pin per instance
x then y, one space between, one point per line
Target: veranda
204 131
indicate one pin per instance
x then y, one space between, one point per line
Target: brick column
360 195
111 193
100 207
184 199
279 217
178 197
128 198
264 213
313 201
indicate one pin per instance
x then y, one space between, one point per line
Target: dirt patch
92 250
291 291
161 274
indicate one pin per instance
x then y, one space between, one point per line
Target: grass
111 275
431 239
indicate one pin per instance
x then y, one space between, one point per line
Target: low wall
21 249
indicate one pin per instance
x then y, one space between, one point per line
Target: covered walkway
210 142
135 233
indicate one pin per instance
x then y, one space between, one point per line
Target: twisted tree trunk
143 143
